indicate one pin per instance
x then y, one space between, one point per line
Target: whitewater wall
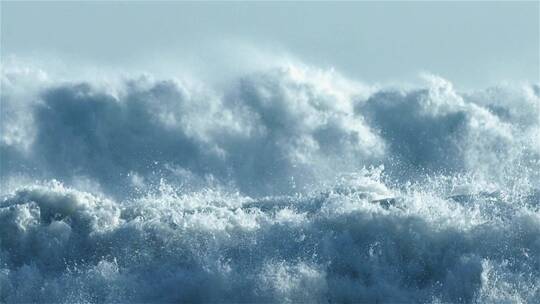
267 189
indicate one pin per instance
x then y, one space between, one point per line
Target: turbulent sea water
291 184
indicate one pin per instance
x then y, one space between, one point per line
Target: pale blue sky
470 43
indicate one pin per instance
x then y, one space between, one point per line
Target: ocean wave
286 130
292 184
62 245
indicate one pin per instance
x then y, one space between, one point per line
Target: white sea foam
292 184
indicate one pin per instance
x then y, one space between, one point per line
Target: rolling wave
291 184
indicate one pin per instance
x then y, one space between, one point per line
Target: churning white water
292 184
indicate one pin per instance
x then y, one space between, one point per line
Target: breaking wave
292 184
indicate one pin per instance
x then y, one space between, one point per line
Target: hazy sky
470 43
